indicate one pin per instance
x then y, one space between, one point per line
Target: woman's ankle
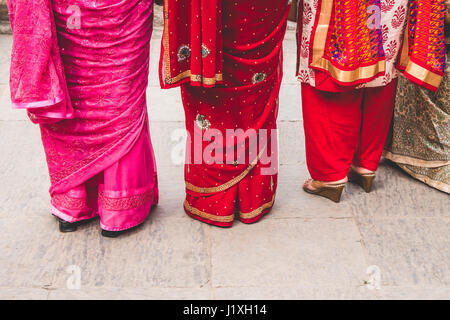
361 170
314 184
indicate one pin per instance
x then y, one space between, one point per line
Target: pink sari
100 159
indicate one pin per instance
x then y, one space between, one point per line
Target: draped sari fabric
422 58
101 162
226 171
420 137
192 47
37 79
357 43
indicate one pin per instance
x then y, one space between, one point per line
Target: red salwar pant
348 127
247 100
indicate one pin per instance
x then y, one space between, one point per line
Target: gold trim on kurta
228 184
257 212
206 215
168 79
320 40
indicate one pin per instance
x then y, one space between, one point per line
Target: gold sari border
410 69
413 161
257 212
423 74
228 184
193 78
350 76
206 215
165 42
425 179
404 56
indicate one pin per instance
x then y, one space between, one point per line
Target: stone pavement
308 247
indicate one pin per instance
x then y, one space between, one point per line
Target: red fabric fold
194 55
422 58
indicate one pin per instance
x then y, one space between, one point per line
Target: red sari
227 58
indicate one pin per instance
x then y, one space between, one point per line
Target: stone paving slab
299 293
414 293
396 194
23 294
288 253
164 253
28 250
24 177
130 294
409 251
290 194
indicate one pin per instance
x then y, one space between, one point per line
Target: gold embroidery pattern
184 52
257 212
206 215
228 184
205 51
259 77
196 77
202 122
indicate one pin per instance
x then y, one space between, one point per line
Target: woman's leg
257 193
378 106
75 205
332 124
129 188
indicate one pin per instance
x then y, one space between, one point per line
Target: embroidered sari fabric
37 79
245 102
420 140
345 44
192 46
101 162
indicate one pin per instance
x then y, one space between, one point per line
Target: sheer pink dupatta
37 78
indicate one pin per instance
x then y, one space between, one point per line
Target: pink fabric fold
37 78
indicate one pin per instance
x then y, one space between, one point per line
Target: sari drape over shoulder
93 56
361 42
227 58
192 43
37 78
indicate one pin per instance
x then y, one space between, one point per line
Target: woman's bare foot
312 184
361 170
